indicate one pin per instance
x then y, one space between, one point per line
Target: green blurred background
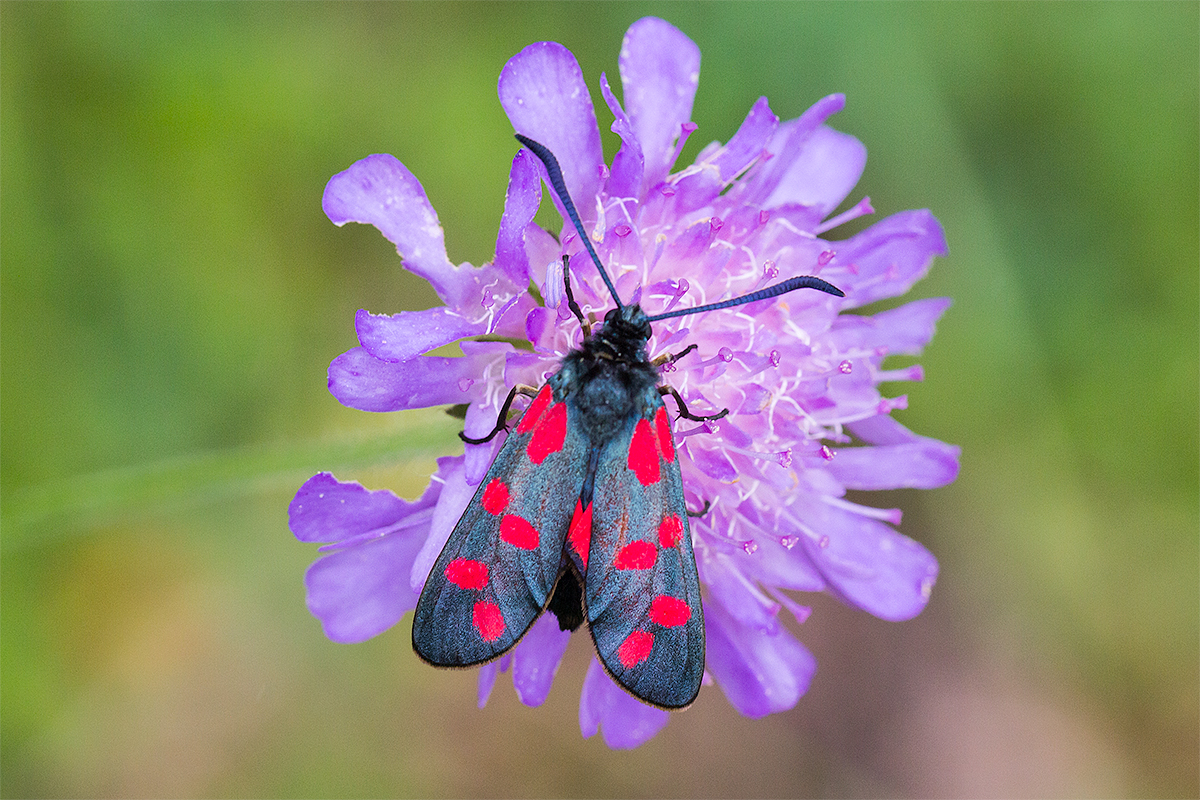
172 295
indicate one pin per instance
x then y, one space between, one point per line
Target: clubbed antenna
554 172
783 287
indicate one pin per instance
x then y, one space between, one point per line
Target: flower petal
543 92
866 562
782 565
903 330
718 169
746 605
660 69
760 672
363 590
380 191
480 421
926 464
627 722
888 257
827 166
452 501
882 429
748 143
327 510
714 463
536 659
403 336
787 145
359 380
487 680
625 178
520 205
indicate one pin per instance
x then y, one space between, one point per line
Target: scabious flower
802 381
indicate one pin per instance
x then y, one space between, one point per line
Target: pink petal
543 92
660 69
403 336
536 659
825 169
380 191
520 205
888 257
625 179
760 672
359 380
627 722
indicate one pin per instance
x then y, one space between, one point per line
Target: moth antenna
554 173
783 287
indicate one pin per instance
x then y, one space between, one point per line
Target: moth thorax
605 400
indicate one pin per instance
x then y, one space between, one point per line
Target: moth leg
571 304
671 358
683 409
701 512
502 419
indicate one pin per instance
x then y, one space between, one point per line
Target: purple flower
801 380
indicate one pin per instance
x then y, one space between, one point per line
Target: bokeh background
172 295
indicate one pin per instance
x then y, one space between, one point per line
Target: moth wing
496 572
642 593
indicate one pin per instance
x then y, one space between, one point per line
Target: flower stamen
862 208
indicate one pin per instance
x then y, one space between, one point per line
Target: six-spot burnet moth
582 512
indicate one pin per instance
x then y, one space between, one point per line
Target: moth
582 512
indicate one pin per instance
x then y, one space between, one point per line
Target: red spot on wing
518 532
669 611
662 426
488 620
643 456
636 555
670 531
549 435
635 649
579 536
534 412
495 497
466 573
